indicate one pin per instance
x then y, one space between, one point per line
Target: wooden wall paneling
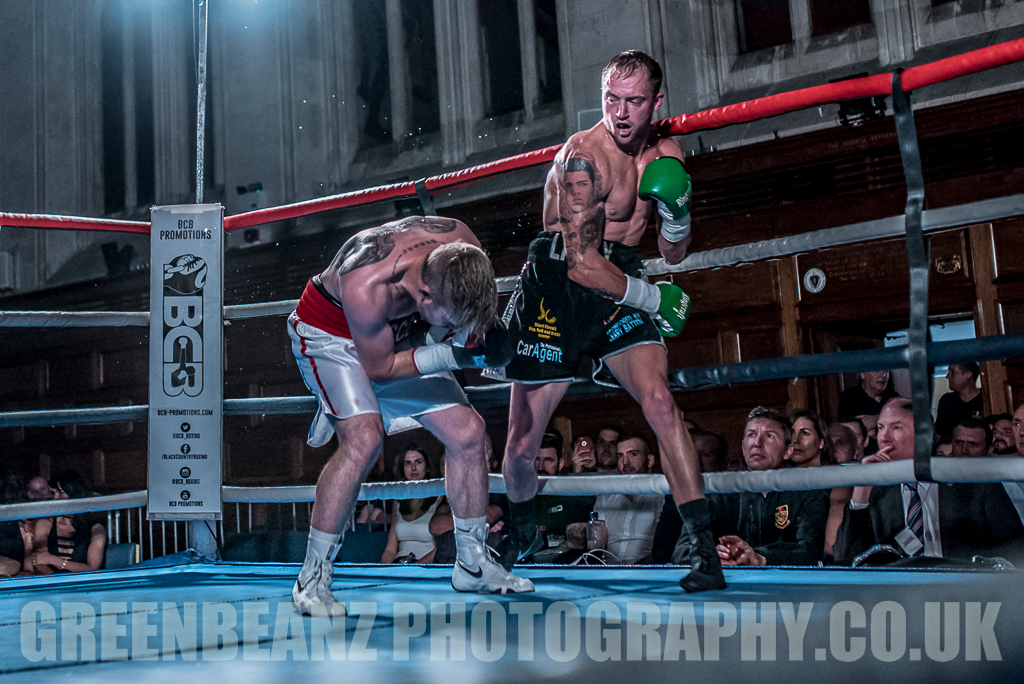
986 314
126 469
24 381
1007 248
75 373
127 369
878 269
750 287
1012 317
791 333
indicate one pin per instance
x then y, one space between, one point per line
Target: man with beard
1003 443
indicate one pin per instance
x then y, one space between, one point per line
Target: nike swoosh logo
477 574
299 583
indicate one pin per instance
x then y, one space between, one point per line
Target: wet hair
775 416
821 428
626 63
461 279
975 424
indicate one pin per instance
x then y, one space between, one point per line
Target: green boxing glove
667 304
673 310
666 181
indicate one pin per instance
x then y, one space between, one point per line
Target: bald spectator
926 519
631 519
864 434
1003 443
971 438
847 445
39 489
963 401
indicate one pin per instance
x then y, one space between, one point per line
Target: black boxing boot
705 565
524 538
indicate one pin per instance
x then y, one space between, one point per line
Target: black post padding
426 201
918 259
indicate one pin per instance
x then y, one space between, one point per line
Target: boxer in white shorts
350 338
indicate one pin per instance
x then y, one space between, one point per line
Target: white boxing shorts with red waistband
329 363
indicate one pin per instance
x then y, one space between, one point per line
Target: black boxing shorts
554 321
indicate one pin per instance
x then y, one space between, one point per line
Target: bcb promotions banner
185 362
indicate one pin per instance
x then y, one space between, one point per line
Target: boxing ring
186 615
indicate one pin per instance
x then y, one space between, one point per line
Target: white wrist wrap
642 295
434 358
672 229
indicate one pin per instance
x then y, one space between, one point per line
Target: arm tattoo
581 235
364 249
580 210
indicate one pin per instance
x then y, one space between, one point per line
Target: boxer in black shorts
555 321
578 296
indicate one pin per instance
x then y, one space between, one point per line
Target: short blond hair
461 279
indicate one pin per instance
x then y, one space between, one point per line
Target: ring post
186 374
919 262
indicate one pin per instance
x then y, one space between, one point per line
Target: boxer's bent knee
464 432
360 436
659 406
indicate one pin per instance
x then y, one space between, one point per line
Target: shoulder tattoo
366 248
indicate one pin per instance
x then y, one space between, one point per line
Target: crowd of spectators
844 525
913 523
43 546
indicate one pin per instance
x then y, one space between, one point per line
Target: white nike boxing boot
475 566
311 594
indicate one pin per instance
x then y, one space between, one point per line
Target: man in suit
927 519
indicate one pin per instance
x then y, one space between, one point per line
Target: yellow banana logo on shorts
544 314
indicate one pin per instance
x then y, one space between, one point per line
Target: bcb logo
184 279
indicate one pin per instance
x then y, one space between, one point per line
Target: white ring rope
46 509
73 319
894 226
987 469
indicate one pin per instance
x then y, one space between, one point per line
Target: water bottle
597 533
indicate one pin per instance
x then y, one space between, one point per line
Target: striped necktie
915 520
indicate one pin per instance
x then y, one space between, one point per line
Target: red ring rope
743 112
